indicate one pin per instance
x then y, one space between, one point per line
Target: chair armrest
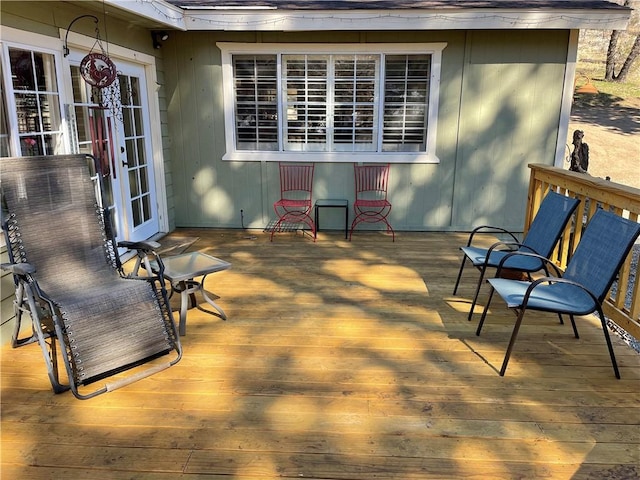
545 261
512 249
488 229
20 269
539 281
24 274
141 246
144 251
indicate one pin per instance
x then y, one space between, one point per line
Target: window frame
228 50
32 42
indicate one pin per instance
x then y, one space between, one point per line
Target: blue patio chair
543 234
109 329
605 244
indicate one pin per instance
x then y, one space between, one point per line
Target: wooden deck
340 361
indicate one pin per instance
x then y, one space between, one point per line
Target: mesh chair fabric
110 321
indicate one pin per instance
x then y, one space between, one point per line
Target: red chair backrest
372 180
296 178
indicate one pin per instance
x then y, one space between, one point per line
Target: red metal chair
371 204
294 206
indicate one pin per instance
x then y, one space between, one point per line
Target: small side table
181 271
332 203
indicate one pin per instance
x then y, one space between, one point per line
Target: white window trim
429 156
14 38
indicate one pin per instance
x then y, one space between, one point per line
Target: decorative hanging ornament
98 70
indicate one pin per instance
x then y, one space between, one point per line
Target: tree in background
614 53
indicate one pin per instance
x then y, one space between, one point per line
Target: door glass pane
127 121
135 91
50 112
134 185
27 107
146 207
137 166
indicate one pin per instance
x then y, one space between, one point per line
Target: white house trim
155 10
148 62
228 49
270 18
467 19
567 99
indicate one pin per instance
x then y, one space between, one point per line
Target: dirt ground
613 136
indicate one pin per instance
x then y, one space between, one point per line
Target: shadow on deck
340 360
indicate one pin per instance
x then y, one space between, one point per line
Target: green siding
510 111
500 99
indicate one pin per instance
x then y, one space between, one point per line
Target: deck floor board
340 360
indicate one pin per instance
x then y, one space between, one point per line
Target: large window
378 101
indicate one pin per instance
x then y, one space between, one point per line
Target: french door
113 124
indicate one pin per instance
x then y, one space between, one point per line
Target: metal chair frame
69 279
583 286
546 229
371 204
296 190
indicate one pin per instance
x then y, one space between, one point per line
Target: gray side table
332 203
181 271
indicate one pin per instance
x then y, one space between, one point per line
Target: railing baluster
593 193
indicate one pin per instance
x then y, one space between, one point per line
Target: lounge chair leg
514 335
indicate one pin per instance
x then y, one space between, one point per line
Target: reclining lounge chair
68 277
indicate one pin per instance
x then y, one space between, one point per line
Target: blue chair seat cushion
548 297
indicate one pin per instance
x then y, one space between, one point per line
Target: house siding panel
500 99
510 110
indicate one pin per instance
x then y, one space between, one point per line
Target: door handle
124 163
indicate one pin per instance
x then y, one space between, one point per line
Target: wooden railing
593 192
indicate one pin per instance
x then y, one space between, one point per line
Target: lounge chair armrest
148 259
141 246
488 229
20 269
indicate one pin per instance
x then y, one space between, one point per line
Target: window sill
334 157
